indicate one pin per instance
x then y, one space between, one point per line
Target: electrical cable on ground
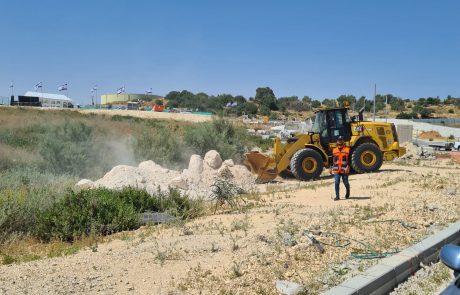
342 241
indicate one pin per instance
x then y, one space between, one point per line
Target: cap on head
340 139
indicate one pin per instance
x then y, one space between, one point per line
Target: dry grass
28 249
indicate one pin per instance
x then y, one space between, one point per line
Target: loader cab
332 123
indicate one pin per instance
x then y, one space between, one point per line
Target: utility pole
386 108
95 90
375 94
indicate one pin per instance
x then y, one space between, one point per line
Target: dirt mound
430 135
196 180
417 153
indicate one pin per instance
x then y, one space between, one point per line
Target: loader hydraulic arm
284 153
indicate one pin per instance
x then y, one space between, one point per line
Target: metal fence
5 100
439 121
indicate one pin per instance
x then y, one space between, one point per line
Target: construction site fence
439 120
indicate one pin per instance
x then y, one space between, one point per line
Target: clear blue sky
316 48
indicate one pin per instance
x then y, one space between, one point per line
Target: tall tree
266 97
330 103
350 99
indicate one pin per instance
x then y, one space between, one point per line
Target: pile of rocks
196 180
417 153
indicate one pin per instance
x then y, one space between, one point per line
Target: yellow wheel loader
305 155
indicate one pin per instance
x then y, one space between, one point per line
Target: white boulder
195 165
213 159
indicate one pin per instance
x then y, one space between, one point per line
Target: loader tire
287 173
366 158
306 164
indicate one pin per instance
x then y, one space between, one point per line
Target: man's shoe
336 199
347 196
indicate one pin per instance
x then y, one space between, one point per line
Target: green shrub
160 145
220 135
404 115
26 137
264 110
425 113
451 111
225 191
23 194
103 211
67 149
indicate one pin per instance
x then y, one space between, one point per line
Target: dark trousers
337 184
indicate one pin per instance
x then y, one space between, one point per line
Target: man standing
340 167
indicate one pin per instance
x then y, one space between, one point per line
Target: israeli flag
11 85
234 104
121 90
38 85
149 91
62 87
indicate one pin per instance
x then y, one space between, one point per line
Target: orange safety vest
340 160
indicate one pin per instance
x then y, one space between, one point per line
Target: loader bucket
264 167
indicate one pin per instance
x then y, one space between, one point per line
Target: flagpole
375 95
67 90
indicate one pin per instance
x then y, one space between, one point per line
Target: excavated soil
430 135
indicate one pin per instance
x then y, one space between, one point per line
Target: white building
51 100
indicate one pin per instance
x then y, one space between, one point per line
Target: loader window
319 126
330 125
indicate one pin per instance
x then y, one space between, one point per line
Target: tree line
265 103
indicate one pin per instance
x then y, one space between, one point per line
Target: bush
23 194
451 111
248 108
225 191
315 104
220 135
66 149
273 116
264 110
160 145
103 211
404 115
425 113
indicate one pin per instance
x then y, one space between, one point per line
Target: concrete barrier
393 270
404 133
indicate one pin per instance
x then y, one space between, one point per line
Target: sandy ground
152 115
246 252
